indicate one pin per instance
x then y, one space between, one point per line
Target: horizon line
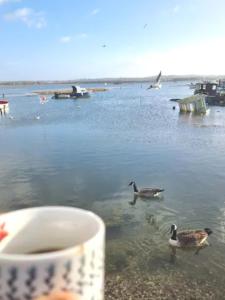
187 76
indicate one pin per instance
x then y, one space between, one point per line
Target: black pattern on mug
11 282
49 279
81 282
66 275
92 265
82 265
30 283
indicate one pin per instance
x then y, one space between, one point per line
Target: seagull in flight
145 26
104 46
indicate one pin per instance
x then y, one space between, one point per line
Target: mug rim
54 254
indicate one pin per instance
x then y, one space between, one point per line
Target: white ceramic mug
75 263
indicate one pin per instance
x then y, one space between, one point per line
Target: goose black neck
174 235
135 187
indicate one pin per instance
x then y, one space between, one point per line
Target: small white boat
77 92
157 84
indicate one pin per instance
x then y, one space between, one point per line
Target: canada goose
146 192
196 239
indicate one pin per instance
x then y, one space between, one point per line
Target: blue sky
46 39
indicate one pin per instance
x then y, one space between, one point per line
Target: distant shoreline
113 80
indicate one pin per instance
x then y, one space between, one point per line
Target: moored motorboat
77 92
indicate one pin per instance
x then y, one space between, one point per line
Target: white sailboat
157 84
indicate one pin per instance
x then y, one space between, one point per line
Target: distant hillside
115 80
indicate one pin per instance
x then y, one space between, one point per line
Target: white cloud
203 57
65 39
95 11
28 16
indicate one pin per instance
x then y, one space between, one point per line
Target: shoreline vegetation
113 80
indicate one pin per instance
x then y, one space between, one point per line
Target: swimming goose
146 192
196 239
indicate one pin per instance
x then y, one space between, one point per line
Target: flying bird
104 46
145 26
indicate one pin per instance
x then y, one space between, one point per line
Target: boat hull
4 106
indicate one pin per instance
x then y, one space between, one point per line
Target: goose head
173 239
173 227
134 187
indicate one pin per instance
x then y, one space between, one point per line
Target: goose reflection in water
135 197
133 202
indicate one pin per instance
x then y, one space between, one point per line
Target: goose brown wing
191 237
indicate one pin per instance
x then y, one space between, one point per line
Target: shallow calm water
85 152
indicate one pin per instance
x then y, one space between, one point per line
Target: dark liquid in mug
47 250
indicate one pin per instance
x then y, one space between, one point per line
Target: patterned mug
46 250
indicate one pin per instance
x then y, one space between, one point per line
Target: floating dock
194 104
